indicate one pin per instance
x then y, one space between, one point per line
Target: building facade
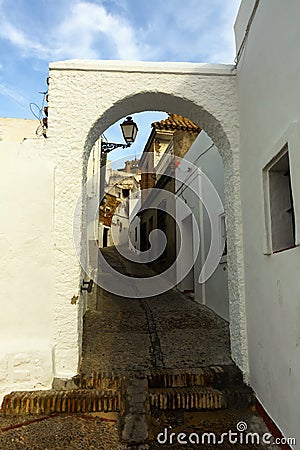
170 138
269 119
122 193
202 164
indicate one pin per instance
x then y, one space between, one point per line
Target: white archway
85 98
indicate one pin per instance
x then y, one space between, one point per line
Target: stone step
53 401
99 380
200 398
204 388
218 377
193 398
239 397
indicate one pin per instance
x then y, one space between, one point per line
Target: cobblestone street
166 336
165 331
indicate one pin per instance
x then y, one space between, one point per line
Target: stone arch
159 101
84 102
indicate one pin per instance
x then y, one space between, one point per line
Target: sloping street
157 365
174 349
168 331
152 369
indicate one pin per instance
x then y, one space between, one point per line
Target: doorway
105 237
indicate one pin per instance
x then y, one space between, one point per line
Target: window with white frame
279 204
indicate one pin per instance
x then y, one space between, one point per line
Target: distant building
122 192
173 137
131 167
190 184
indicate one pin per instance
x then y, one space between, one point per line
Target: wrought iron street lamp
129 131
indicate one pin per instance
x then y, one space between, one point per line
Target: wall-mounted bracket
87 286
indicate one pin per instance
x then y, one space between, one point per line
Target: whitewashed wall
44 307
92 225
16 130
269 117
26 265
205 155
83 103
134 222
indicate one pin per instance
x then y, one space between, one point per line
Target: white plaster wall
92 225
134 206
215 289
186 240
205 155
16 130
121 229
26 266
83 102
92 210
269 105
120 223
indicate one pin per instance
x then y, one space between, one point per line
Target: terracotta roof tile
175 122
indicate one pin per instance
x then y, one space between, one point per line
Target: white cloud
193 30
13 94
20 40
226 51
89 25
86 31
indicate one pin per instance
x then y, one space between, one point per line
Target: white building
268 77
205 159
122 194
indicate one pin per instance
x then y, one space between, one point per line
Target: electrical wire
244 41
38 112
184 185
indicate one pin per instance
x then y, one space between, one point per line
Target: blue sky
34 33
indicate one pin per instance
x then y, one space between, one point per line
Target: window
135 234
125 193
105 237
162 224
280 215
162 216
150 224
144 241
223 236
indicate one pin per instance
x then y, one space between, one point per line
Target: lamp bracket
107 147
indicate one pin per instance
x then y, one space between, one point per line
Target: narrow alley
144 334
150 234
148 365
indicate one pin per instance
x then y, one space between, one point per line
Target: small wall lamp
129 130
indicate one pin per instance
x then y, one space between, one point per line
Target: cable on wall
38 112
244 41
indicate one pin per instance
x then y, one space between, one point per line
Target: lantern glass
129 130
